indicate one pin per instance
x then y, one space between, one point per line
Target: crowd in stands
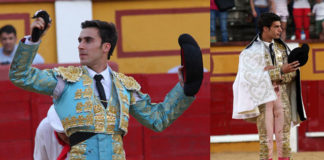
301 14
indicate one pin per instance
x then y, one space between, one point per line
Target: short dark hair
8 29
107 32
266 20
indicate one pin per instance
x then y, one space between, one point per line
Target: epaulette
70 73
129 82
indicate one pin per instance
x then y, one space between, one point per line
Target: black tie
272 54
100 89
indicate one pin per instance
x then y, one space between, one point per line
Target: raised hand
290 67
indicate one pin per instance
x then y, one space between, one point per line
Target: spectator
258 7
292 25
301 11
280 8
8 37
222 16
318 11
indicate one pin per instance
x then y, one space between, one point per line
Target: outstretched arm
23 75
158 116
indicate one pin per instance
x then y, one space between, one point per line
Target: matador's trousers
275 116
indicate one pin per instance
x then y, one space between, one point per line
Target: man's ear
106 47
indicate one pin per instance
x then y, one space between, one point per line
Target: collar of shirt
267 44
105 73
106 81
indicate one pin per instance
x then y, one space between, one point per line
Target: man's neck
98 68
266 39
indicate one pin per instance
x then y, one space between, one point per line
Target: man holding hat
51 143
92 101
267 88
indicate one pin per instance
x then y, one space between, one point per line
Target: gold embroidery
89 119
77 151
99 118
110 128
118 85
97 109
87 93
73 121
65 123
99 127
79 107
118 157
128 81
124 98
78 94
111 119
262 131
112 110
99 122
125 110
86 80
124 124
88 106
116 138
81 120
70 73
118 149
133 100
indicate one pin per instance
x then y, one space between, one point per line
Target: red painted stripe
23 16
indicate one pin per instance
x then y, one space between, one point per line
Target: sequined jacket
80 110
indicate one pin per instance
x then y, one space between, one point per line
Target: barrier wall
186 139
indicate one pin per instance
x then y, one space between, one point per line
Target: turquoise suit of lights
81 111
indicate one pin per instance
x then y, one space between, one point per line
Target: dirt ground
254 156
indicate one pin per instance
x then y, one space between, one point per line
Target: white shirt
261 2
5 58
301 4
46 145
106 81
318 10
281 7
267 44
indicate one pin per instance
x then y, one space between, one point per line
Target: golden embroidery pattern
77 151
262 131
118 150
128 81
70 73
78 94
86 80
86 107
87 93
74 121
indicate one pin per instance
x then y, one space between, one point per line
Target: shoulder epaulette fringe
70 73
129 82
